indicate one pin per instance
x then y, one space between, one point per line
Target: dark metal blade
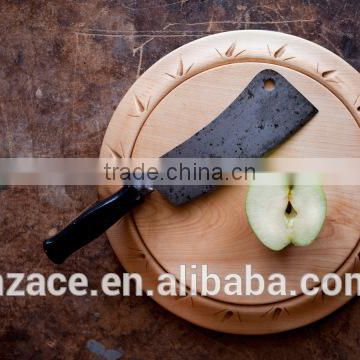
257 121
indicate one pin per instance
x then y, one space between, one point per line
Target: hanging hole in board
269 84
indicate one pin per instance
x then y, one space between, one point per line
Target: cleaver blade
257 121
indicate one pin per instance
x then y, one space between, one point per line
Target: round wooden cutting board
179 95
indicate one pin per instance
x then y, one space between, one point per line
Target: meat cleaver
257 121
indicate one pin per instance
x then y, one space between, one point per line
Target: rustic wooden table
64 68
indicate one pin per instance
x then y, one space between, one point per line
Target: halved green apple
291 213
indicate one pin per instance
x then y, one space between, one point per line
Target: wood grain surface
64 68
164 108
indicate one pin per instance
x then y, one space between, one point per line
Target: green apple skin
275 223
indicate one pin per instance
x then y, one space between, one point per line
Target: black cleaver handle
93 222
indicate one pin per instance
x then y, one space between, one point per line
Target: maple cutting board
179 95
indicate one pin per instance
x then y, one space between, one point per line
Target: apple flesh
292 213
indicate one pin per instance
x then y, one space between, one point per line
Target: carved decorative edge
181 70
357 103
230 52
141 106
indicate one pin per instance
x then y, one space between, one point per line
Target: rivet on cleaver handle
256 122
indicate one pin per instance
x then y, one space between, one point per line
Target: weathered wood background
64 66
